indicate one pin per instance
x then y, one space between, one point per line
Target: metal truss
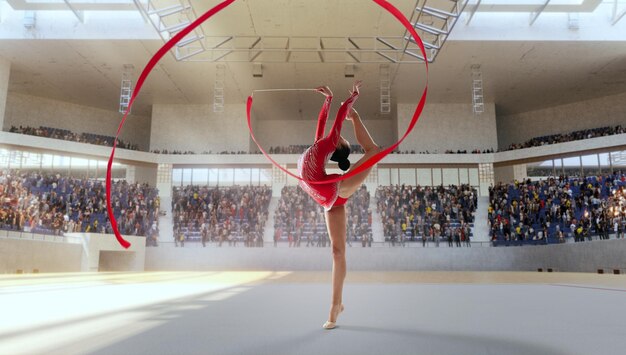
433 20
170 16
617 13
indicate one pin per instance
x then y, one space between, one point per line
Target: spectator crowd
432 214
300 220
549 211
55 204
67 135
232 215
568 137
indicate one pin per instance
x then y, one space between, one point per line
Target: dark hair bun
344 164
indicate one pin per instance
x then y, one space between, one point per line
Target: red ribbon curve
204 17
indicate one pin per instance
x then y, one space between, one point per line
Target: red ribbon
378 157
180 35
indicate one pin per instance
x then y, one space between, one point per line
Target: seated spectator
54 204
299 217
558 208
421 209
236 213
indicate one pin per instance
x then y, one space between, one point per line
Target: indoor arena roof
525 66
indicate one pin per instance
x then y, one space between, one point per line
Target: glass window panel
590 164
571 166
473 177
383 177
79 163
394 176
46 161
540 169
31 160
424 177
407 177
242 176
15 159
60 162
4 158
437 177
187 176
118 171
200 176
265 177
450 176
605 165
226 177
102 170
618 159
590 160
255 176
213 177
177 176
463 176
558 166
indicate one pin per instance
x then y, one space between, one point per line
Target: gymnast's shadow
440 342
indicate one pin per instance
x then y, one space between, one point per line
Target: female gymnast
333 196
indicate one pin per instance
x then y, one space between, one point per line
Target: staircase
481 227
268 234
166 228
377 222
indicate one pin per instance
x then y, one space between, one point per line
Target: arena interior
496 227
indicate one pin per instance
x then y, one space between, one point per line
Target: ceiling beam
617 15
472 13
78 14
535 15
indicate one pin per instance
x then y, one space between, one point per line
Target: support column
485 178
5 71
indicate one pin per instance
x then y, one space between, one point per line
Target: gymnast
334 195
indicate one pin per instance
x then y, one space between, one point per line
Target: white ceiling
518 76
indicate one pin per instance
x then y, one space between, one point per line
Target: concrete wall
198 128
36 111
303 132
5 73
448 126
574 257
604 111
45 256
132 259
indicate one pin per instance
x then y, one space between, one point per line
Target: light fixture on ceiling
348 71
257 70
218 88
30 19
573 21
126 89
385 88
478 105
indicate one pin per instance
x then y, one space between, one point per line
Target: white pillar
5 71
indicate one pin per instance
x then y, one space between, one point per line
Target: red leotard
312 163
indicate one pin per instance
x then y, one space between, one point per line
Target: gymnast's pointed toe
329 325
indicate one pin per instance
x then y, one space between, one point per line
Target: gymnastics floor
282 313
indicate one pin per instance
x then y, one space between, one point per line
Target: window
540 168
590 164
407 177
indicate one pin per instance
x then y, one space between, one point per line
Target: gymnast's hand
324 90
355 87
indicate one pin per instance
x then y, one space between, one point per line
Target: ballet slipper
332 325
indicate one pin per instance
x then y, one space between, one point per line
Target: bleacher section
412 213
552 210
220 214
52 204
300 221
